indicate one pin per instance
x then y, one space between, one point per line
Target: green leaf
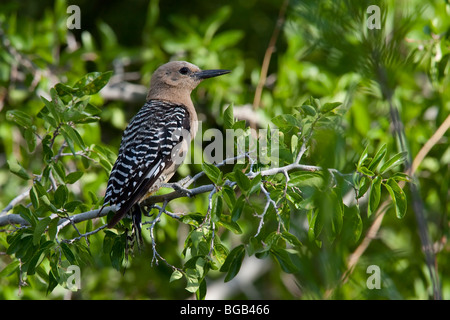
106 156
192 278
45 114
393 162
314 225
240 124
30 137
330 106
353 224
26 213
117 252
238 208
34 197
91 83
61 196
377 158
64 89
213 173
217 206
52 109
228 117
9 269
366 171
363 157
69 141
58 103
59 170
70 133
255 184
220 252
73 177
308 110
48 152
46 201
306 179
200 294
76 116
229 196
92 110
52 228
31 265
19 117
68 253
176 274
18 170
315 103
364 185
108 241
225 221
193 219
40 229
52 281
284 259
255 246
242 180
398 197
285 121
19 244
330 214
72 205
233 262
272 239
401 176
291 239
374 197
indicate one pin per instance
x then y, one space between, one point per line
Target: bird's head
178 78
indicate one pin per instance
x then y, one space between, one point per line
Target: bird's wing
145 152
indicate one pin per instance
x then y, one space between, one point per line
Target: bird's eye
184 70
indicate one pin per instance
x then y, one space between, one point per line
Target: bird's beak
205 74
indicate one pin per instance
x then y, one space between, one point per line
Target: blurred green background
317 53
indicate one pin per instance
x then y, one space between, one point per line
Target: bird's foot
179 186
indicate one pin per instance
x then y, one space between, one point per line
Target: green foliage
372 178
49 193
328 106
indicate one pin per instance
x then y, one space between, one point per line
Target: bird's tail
135 236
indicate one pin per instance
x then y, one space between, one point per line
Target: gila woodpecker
155 139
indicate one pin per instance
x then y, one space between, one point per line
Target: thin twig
85 235
268 54
156 255
269 201
430 144
15 201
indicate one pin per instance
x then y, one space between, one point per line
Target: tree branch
14 201
180 190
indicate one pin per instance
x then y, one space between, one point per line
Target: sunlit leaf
373 165
374 197
396 160
213 173
398 197
18 170
228 117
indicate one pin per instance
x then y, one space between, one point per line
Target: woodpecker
155 139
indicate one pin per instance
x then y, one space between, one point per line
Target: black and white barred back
145 151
